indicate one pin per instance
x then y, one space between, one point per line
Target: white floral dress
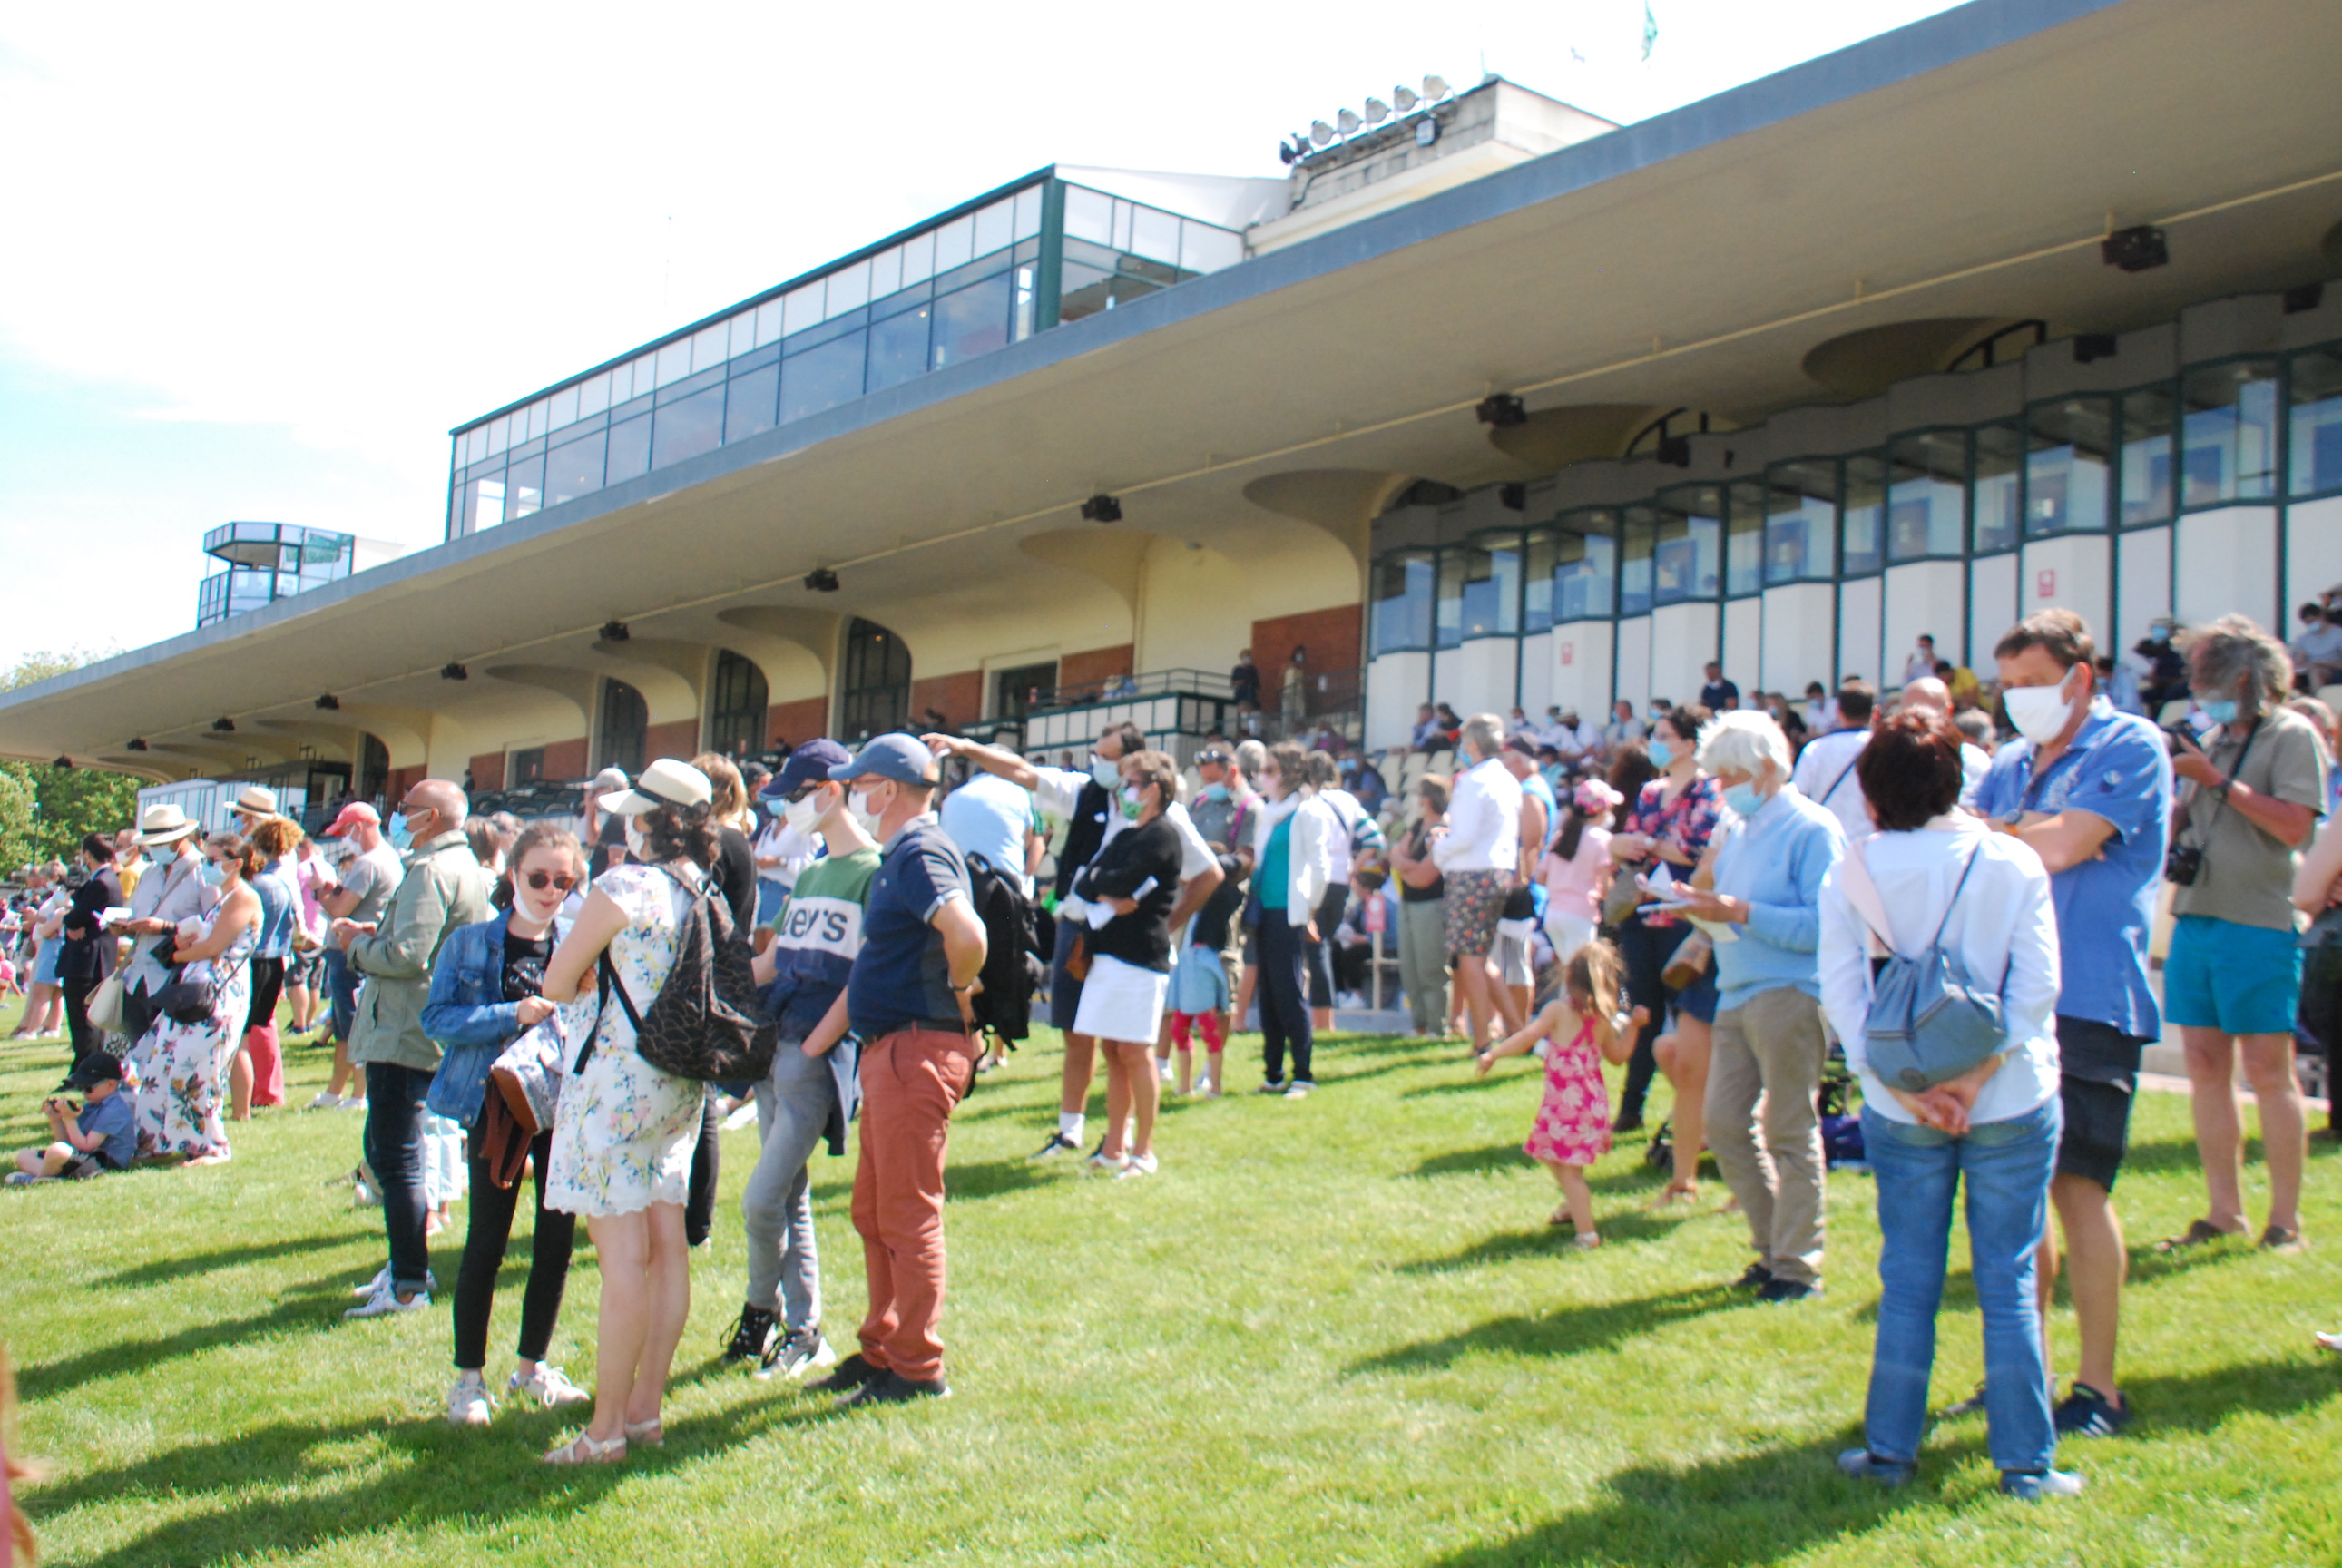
180 1065
624 1136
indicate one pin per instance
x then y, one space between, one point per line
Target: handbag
1625 897
526 1075
1690 961
1929 1021
104 1008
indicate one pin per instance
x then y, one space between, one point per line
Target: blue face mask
1744 799
1215 793
1663 755
2223 712
212 873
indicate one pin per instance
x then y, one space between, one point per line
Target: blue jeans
341 992
2007 1166
394 1147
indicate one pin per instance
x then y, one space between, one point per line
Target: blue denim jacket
468 1016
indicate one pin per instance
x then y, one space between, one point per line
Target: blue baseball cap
901 757
809 763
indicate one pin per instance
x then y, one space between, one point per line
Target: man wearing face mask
2089 789
367 882
444 889
1093 818
2233 977
170 891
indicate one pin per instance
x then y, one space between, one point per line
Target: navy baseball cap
809 763
903 758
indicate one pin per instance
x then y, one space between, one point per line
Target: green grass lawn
1336 1330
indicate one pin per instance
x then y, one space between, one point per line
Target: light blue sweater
1776 860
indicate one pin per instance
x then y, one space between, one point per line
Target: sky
261 258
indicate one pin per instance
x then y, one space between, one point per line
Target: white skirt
1121 1001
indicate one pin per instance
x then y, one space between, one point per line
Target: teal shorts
2237 979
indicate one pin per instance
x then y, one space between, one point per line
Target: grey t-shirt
2247 876
374 876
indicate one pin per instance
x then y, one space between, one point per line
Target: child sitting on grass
1573 1125
102 1134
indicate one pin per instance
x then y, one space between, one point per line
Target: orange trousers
911 1080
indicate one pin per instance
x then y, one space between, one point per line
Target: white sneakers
548 1385
325 1099
385 1302
1135 1165
468 1401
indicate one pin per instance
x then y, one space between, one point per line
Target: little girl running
1573 1125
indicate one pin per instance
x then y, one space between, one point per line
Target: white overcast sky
260 258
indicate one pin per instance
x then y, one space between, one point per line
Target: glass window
1801 519
768 323
918 259
485 503
622 737
630 449
1023 303
801 308
1537 552
1686 553
674 364
622 384
750 406
1864 512
1028 212
690 384
1447 616
822 377
877 680
1999 468
955 244
2314 390
1492 585
1203 248
574 468
594 394
972 321
1403 601
525 487
688 428
563 408
995 226
1155 233
898 348
1089 216
2068 466
499 435
737 708
2229 434
1744 541
1121 240
535 412
886 272
1927 496
711 346
743 329
849 289
1585 562
1642 526
2147 466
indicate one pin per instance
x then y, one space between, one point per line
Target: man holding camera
2234 974
2089 790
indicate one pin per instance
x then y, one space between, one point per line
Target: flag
1650 29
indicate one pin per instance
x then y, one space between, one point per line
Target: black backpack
707 1022
1013 966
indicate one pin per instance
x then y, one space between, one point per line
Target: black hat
97 1067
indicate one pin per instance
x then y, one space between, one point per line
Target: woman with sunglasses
485 991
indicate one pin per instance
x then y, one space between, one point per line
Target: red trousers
910 1082
261 1047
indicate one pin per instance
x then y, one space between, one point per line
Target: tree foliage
45 810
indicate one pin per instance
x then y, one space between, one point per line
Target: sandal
2277 1239
2197 1233
649 1434
584 1450
1672 1195
1587 1241
1561 1216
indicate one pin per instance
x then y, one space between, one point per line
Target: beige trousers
1761 1122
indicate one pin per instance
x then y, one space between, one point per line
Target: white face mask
2039 713
858 805
635 838
1107 775
802 814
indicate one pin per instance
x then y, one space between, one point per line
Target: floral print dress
1685 824
180 1065
625 1132
1573 1125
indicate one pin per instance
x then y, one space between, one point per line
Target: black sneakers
852 1373
1755 1279
1059 1143
1777 1291
892 1388
754 1334
2085 1413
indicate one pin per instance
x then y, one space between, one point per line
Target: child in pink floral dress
1575 1033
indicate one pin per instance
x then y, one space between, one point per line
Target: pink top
1570 885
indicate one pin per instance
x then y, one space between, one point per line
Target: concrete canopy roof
1966 165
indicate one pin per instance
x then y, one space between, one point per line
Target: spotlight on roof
330 702
63 765
137 744
1320 133
1674 450
1101 508
1436 88
1292 152
1405 97
1514 495
822 580
1376 111
1346 122
2094 345
1502 410
614 632
2141 249
222 725
2302 297
451 671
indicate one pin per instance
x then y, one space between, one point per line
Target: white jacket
1483 822
1309 851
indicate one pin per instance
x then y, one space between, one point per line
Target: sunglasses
541 880
802 792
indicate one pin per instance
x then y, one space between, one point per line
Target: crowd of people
1743 899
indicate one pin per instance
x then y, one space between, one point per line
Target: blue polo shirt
901 979
2119 769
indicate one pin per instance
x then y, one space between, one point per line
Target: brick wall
489 771
1094 664
565 761
398 780
679 740
959 696
1331 636
806 719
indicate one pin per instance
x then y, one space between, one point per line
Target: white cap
665 782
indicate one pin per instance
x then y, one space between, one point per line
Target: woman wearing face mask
1668 825
181 1062
1770 857
735 872
1129 889
486 990
1293 860
624 1136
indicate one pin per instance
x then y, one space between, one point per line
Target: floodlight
1286 153
1435 87
330 702
2094 345
821 580
1405 97
222 725
1426 131
1101 508
1376 111
63 765
1320 133
2139 249
614 632
1674 450
451 671
2302 297
1502 410
1347 121
137 742
1514 497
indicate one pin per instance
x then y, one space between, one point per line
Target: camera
2183 864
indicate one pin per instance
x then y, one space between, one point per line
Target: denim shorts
2237 979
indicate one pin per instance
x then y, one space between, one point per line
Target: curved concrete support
1865 364
139 764
815 631
792 666
670 673
1556 437
340 737
403 732
1344 502
1112 555
577 687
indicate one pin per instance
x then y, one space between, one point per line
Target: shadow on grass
1492 1158
1783 1503
969 1183
439 1475
164 1270
1551 1241
313 1310
1567 1331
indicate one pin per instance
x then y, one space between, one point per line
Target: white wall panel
1797 637
2143 582
1744 645
2069 572
1578 669
1634 680
2313 558
1683 640
1992 609
1537 675
1922 598
1396 683
2227 565
1859 610
1476 678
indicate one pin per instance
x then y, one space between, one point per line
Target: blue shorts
2237 979
769 897
45 962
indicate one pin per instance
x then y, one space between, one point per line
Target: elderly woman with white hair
1769 857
